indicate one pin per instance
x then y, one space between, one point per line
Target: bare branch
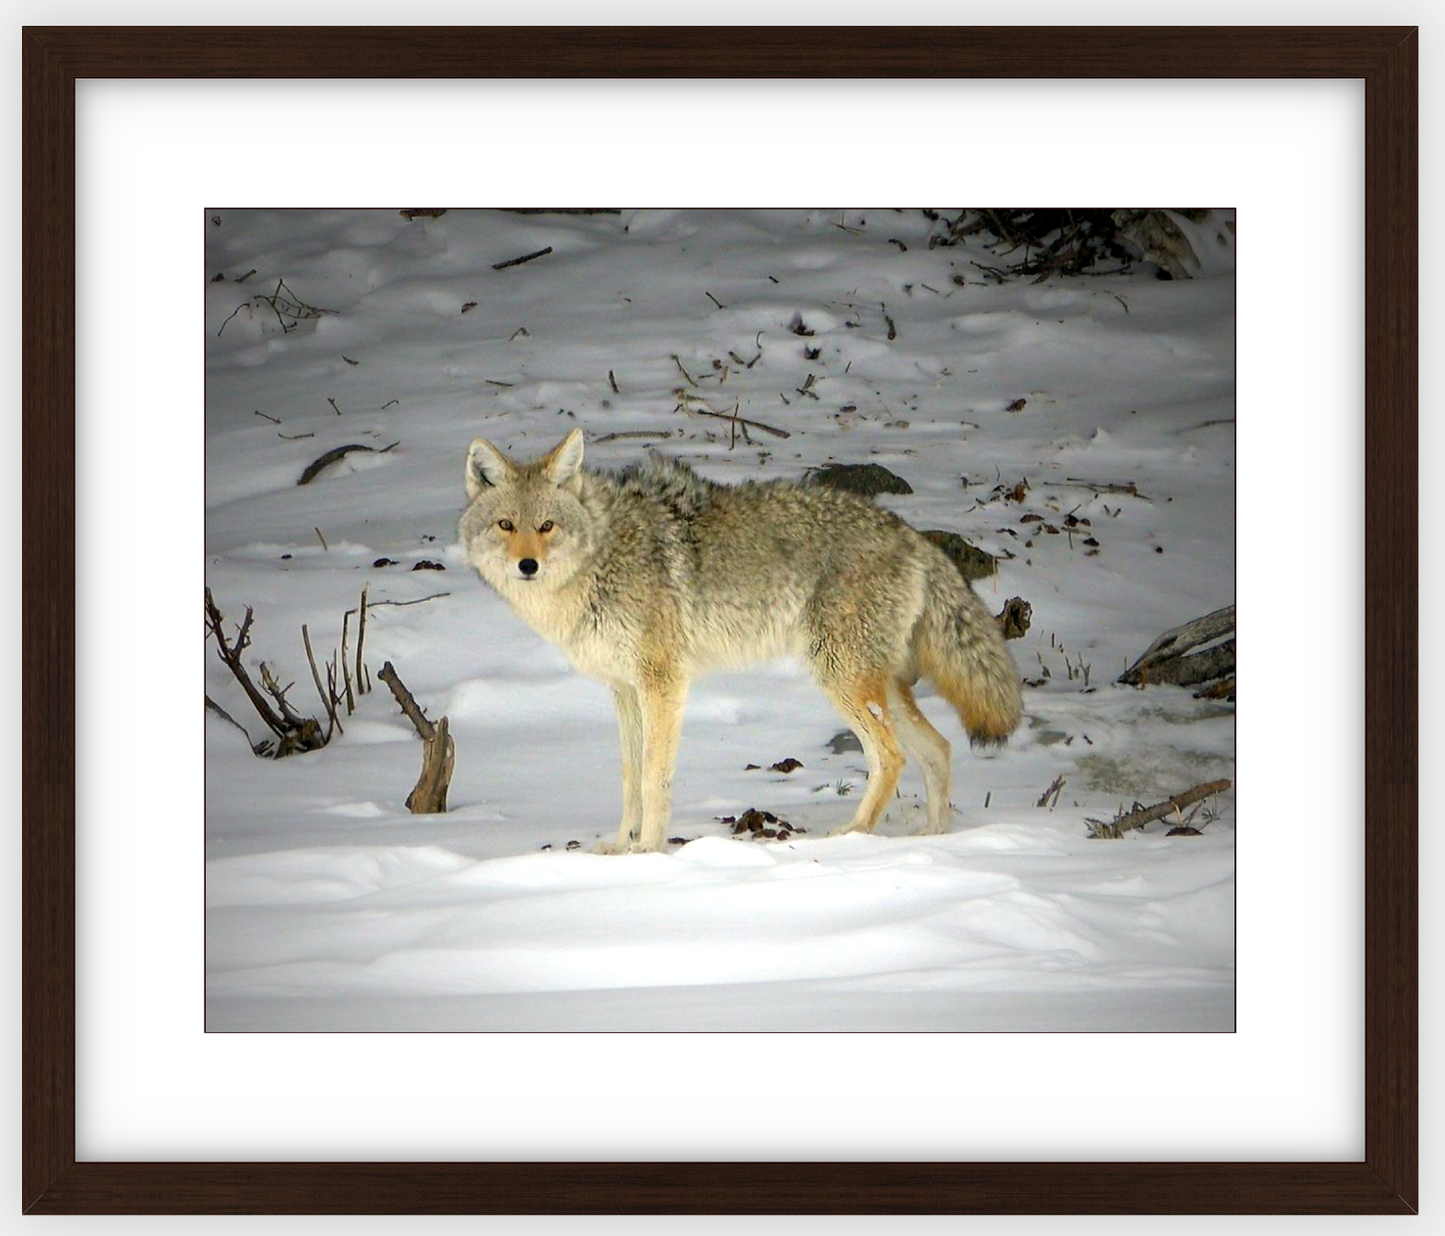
360 641
1141 816
406 701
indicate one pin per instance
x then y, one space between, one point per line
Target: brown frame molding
1385 1182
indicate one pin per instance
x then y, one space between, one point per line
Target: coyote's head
526 525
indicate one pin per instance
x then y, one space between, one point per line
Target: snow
330 907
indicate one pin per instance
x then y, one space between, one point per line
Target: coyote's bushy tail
957 644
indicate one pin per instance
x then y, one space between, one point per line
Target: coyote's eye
506 525
546 527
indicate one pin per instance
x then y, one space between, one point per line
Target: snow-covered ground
331 907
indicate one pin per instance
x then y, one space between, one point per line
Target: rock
1159 240
866 479
972 562
844 740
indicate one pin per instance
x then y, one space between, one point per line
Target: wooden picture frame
1386 1181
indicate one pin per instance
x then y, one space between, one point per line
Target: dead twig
634 433
285 304
346 663
360 641
1053 792
332 695
376 604
678 361
328 699
294 733
1101 487
691 403
526 257
257 748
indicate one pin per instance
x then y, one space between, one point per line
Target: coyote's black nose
528 566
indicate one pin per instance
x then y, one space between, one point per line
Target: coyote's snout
651 576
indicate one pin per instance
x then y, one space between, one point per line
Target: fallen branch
1140 816
325 461
429 796
337 452
526 257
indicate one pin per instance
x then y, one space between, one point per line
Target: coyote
648 577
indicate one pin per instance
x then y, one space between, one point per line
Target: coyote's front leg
663 696
629 725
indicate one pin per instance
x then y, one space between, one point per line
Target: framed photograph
814 492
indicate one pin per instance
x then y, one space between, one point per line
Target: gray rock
866 479
972 562
845 740
1160 241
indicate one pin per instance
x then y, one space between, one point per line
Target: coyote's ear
486 465
565 459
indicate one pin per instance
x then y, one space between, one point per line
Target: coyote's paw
852 826
615 847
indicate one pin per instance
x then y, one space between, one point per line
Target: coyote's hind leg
662 696
927 748
863 701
